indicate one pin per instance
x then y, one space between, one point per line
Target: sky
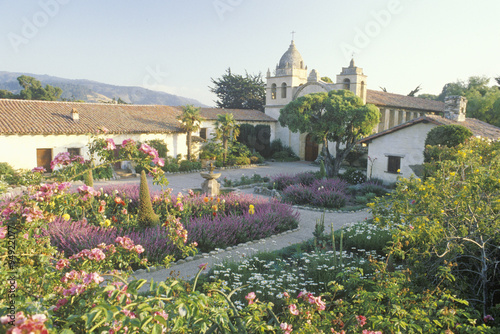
178 46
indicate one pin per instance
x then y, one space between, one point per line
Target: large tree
483 101
236 91
338 116
191 121
226 130
33 90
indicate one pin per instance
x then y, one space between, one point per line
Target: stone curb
214 252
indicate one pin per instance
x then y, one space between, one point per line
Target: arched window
283 90
363 90
273 91
347 84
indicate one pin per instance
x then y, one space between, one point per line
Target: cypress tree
147 216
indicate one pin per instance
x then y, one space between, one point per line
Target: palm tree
226 129
191 121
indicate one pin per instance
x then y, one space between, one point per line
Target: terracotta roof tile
47 117
477 127
239 114
54 117
402 101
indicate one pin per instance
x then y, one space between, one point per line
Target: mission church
43 129
291 79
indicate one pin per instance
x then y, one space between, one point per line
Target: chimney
454 108
74 115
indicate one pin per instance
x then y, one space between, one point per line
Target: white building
32 133
291 80
399 151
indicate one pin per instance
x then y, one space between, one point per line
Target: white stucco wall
407 143
20 151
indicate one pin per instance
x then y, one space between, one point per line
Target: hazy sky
177 46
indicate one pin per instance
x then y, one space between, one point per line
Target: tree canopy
483 101
338 116
236 91
33 90
448 135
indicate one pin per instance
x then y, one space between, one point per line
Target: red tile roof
384 99
477 127
239 114
54 117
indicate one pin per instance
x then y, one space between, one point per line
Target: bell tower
281 85
352 78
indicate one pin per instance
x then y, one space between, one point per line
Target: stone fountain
210 186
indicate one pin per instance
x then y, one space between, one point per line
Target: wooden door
43 158
311 149
117 165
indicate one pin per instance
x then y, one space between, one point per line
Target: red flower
361 320
214 214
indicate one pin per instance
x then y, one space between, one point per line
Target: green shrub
146 216
353 176
448 135
185 166
276 146
242 161
263 136
256 158
8 173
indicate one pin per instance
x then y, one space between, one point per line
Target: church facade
291 79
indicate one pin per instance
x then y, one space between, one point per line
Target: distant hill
93 91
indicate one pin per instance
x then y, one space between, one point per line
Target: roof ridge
92 103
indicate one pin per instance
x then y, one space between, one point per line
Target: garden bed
210 222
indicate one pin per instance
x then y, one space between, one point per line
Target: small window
74 151
393 164
273 91
347 84
203 133
283 90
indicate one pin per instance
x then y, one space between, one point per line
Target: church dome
291 58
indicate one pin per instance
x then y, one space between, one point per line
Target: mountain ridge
93 91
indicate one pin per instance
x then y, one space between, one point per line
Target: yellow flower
452 173
106 223
251 206
66 216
